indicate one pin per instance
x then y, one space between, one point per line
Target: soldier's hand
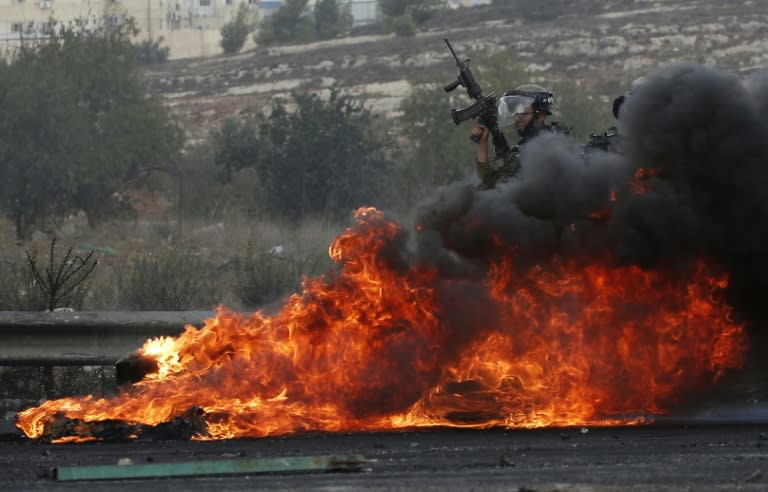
480 134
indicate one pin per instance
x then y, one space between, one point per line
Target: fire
380 345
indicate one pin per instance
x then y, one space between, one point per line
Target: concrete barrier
85 338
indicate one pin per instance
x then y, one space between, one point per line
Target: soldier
527 108
610 140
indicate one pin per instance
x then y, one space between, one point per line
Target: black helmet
617 104
619 101
542 99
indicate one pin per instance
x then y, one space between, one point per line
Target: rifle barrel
450 48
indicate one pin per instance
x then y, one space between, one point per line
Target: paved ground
717 442
672 456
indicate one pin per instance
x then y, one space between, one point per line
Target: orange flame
637 185
380 346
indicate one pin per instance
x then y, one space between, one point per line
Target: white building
153 17
363 11
188 27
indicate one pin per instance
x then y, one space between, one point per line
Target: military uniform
509 164
490 176
610 140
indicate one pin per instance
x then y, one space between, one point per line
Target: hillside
601 45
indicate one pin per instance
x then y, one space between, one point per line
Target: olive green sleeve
488 175
482 168
491 176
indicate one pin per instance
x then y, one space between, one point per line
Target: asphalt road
673 456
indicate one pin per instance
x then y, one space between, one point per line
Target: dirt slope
602 45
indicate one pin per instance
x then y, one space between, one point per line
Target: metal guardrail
85 338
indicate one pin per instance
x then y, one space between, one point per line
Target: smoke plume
689 183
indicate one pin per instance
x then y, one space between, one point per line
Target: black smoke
697 134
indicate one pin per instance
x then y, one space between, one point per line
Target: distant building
363 11
154 18
188 27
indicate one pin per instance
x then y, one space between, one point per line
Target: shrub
403 25
235 32
17 289
541 10
62 282
288 24
149 51
331 18
212 192
264 276
8 285
172 281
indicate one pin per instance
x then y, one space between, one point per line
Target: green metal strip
354 462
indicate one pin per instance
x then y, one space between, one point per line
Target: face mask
509 106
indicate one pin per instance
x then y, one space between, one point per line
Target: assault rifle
608 141
484 108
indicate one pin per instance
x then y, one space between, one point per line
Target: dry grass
219 245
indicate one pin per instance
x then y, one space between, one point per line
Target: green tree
394 8
435 150
324 158
76 126
403 25
418 10
214 192
235 32
294 22
331 19
150 51
236 144
288 23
